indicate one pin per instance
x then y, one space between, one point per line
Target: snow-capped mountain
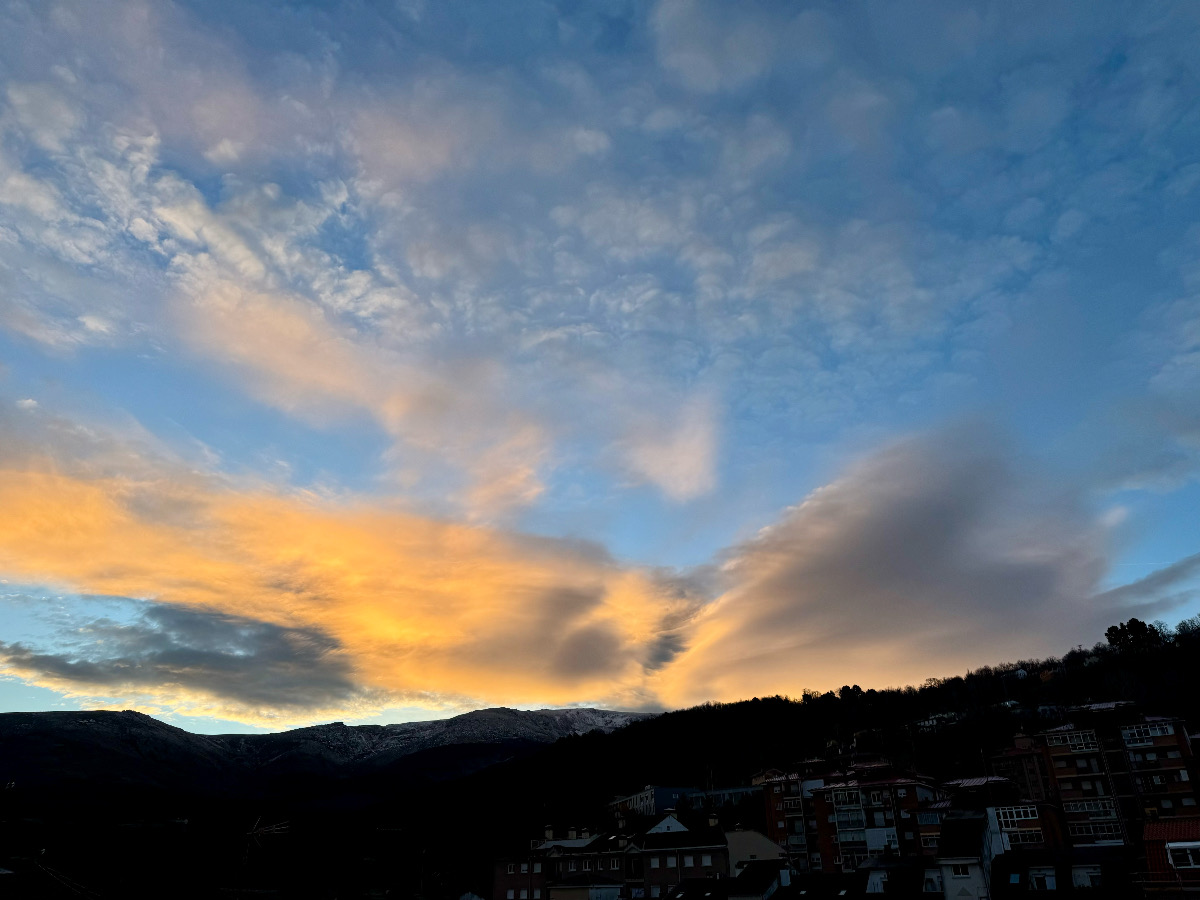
338 744
132 748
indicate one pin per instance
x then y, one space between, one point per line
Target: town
1102 800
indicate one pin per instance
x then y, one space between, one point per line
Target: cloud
710 47
1150 592
196 663
927 556
677 453
392 603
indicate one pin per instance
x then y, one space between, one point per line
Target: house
1172 854
965 855
671 852
750 846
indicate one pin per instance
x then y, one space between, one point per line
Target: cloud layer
460 356
926 556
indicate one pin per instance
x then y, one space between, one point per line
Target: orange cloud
418 606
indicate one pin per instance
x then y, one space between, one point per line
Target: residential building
1172 855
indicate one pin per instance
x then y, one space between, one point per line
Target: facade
790 817
1172 855
652 800
859 818
581 866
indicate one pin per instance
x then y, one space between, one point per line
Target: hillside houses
1104 802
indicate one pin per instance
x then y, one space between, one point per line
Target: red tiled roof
1182 829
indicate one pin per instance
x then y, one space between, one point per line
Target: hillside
422 809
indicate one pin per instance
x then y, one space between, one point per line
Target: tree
1134 635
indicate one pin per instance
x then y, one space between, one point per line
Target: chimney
712 821
549 832
585 833
570 834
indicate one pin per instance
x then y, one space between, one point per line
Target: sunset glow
379 364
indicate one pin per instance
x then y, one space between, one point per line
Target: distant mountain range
87 751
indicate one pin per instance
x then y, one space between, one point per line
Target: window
1060 764
587 865
616 863
537 867
1024 836
1151 756
929 818
1042 880
1144 735
510 894
524 894
961 870
1085 785
1074 740
1173 754
1188 801
783 824
655 890
1099 809
778 789
1184 857
512 868
537 894
524 868
672 862
706 859
901 793
1010 815
571 865
1167 804
654 862
929 840
688 862
1096 829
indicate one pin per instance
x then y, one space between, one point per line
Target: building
652 800
1172 855
866 815
745 847
670 852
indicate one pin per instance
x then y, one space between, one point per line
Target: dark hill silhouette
332 811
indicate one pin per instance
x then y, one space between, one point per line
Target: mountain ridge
132 748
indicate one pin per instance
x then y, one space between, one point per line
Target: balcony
1072 742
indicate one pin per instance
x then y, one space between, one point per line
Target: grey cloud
937 552
1149 594
589 651
234 659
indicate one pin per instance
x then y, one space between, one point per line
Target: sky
371 361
